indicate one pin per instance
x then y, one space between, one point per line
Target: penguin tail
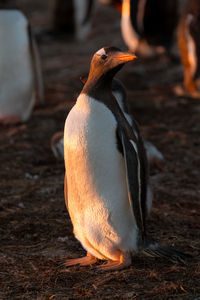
155 249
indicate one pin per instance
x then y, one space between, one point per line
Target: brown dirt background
36 232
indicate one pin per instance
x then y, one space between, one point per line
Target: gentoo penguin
20 73
73 17
154 156
148 25
189 45
106 178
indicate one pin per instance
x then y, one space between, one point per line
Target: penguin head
107 61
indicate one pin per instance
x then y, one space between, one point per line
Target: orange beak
125 56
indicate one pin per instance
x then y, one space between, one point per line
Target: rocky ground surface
36 232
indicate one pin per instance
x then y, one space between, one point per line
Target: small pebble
29 176
63 239
129 295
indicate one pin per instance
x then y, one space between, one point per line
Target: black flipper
132 164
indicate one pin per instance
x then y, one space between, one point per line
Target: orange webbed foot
83 261
124 262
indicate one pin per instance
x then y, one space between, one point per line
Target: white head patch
101 52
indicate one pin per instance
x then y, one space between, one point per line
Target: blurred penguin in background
189 45
73 17
20 72
152 27
148 26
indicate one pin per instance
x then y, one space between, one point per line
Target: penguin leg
87 260
124 262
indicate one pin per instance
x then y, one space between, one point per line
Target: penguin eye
104 56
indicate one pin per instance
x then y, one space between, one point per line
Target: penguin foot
147 51
191 88
124 262
194 94
181 91
83 261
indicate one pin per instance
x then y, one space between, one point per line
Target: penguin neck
99 88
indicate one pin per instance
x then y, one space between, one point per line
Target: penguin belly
97 193
16 74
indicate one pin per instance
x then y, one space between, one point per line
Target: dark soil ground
36 232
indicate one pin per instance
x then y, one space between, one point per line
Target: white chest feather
16 75
97 192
